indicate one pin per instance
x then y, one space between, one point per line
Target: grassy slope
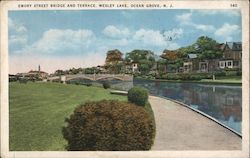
38 110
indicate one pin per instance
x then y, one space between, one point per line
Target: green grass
218 80
38 110
226 79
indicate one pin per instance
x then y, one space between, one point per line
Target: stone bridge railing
93 77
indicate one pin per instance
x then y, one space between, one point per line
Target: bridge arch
106 77
79 77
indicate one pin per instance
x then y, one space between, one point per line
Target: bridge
93 77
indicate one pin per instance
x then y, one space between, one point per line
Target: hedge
109 125
138 95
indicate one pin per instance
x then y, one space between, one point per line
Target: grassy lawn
38 110
231 79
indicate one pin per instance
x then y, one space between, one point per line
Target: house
131 67
134 66
191 64
33 74
232 55
101 69
210 65
40 74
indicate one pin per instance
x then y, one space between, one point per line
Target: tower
39 69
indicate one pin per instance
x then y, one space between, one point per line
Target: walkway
180 128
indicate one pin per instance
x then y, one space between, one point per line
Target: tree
144 58
169 55
172 60
113 61
207 48
184 51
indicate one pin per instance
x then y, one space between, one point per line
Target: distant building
232 55
33 74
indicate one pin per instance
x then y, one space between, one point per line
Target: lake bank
235 81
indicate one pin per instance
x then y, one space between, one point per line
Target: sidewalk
180 128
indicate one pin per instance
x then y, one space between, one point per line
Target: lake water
221 101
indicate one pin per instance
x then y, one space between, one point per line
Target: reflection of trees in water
219 101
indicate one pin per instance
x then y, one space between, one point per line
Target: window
229 63
222 64
236 63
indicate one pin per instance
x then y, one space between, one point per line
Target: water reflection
222 102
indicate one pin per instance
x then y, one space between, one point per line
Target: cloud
227 31
18 33
151 37
185 19
16 26
114 32
206 28
228 12
58 41
174 33
156 38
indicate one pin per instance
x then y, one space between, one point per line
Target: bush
23 80
106 85
109 125
87 84
138 95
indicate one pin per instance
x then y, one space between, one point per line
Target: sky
81 38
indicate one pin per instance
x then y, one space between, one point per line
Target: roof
237 46
192 56
37 72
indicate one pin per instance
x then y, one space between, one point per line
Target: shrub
109 125
220 73
87 84
23 80
138 95
106 85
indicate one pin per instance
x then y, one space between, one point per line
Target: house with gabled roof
232 55
191 64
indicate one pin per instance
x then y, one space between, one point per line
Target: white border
186 4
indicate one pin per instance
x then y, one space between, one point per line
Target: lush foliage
23 80
144 58
113 62
138 95
185 76
207 48
109 126
106 85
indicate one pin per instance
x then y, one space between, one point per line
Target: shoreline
179 128
191 81
200 113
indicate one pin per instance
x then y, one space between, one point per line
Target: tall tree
172 60
144 58
113 61
207 48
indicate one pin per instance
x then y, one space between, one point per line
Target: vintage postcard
125 79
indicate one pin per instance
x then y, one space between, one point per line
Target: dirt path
179 128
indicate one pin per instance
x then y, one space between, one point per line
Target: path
180 128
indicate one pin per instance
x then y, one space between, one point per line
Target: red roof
31 71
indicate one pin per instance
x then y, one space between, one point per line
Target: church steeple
39 69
